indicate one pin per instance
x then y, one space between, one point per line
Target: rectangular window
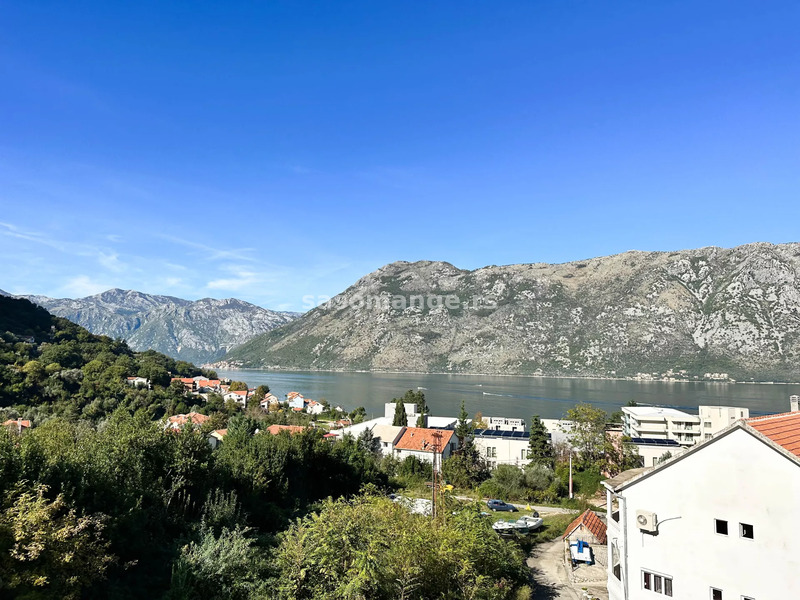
523 454
746 531
716 594
660 584
708 436
721 527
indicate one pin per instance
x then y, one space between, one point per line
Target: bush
373 548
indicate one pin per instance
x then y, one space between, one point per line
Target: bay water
513 396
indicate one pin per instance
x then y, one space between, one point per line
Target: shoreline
581 377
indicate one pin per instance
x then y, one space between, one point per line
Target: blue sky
272 150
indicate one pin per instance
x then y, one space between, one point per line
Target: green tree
219 567
238 386
463 428
588 431
466 468
372 548
50 551
540 449
400 417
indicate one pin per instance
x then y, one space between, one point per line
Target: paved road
549 571
542 510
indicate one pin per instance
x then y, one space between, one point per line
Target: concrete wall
737 478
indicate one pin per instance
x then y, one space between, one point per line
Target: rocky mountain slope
735 311
199 332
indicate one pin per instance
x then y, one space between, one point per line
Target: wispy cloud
242 279
110 260
211 253
83 285
9 230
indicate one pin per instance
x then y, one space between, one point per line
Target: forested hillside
51 366
98 500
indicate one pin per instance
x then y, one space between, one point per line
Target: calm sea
513 396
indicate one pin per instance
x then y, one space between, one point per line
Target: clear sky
271 150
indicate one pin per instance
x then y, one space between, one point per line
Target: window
746 531
708 436
721 527
491 452
716 594
707 424
660 584
523 454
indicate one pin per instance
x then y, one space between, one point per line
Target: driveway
549 571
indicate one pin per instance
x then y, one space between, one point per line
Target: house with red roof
238 396
290 429
422 441
178 421
216 437
718 521
17 425
189 384
590 529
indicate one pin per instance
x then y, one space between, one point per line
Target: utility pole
570 474
437 509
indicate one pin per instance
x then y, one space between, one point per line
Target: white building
388 436
411 411
653 451
502 447
505 424
559 430
660 423
714 419
718 522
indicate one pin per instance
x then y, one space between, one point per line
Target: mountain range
198 331
730 312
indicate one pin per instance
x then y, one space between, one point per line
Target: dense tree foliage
400 417
540 449
371 548
50 366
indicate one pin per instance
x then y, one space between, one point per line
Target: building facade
502 447
717 522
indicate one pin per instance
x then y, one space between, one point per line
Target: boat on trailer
523 525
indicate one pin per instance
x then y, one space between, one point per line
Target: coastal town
685 485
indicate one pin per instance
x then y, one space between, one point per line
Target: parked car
500 505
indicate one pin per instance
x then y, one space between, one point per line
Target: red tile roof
17 423
423 439
222 432
783 429
590 521
193 417
276 429
239 392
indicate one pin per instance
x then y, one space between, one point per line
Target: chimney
794 403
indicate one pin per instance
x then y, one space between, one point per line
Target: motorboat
523 525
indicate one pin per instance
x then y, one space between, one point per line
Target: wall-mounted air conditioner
647 521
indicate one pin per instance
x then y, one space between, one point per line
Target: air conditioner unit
647 521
